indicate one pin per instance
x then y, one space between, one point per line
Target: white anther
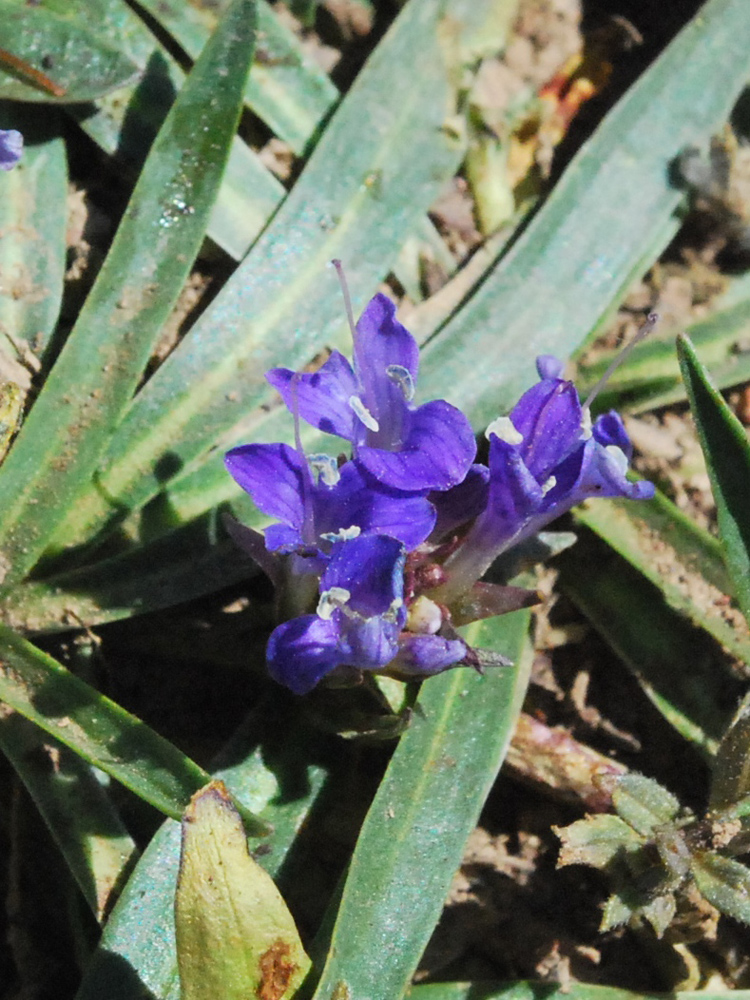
364 414
586 425
325 468
402 377
549 485
343 534
331 600
504 428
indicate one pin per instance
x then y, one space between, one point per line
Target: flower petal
371 568
11 147
424 655
461 503
609 429
514 494
275 477
370 644
436 453
322 397
302 651
359 500
380 343
549 417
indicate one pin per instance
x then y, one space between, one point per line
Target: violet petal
322 398
302 651
436 454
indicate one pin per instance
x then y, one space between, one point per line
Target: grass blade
427 804
727 453
125 123
655 642
96 374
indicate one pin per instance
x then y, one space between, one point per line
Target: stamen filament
347 298
651 321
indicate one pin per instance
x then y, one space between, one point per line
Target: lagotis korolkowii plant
378 557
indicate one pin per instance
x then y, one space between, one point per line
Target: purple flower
11 147
311 511
358 620
544 458
429 447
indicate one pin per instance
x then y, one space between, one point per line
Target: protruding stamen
364 414
347 298
651 320
331 600
402 377
343 534
550 484
505 429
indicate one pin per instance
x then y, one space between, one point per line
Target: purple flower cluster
376 555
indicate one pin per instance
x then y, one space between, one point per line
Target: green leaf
386 178
595 841
83 66
730 782
33 220
104 357
74 805
643 803
137 950
286 89
727 453
428 802
125 123
187 564
562 276
235 935
677 556
725 883
97 729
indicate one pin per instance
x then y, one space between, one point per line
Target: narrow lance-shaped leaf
727 453
46 57
33 220
107 351
725 883
411 841
97 729
235 936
